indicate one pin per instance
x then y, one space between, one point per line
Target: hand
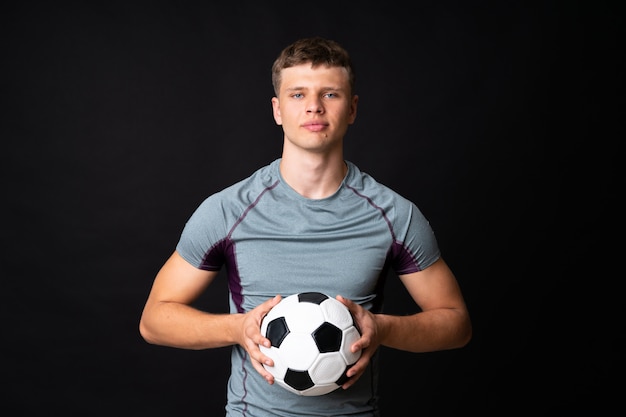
368 342
252 337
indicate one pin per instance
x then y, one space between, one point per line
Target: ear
353 106
276 111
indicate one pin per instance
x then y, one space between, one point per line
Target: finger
254 331
352 306
272 302
345 301
257 355
353 376
256 339
360 365
262 371
262 309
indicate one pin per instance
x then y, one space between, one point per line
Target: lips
315 126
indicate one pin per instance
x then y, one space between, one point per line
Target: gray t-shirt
273 240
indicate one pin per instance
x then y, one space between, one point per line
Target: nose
314 106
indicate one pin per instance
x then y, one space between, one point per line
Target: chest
302 248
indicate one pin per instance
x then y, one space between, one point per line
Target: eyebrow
298 88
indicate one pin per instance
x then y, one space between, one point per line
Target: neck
314 176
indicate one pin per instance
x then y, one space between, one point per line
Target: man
308 221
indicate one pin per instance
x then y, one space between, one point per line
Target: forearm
428 331
182 326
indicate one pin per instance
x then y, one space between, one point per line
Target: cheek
287 115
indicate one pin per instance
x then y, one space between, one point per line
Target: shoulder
247 189
367 186
232 200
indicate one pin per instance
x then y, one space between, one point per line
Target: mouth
315 126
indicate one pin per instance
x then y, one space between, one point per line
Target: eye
330 95
297 95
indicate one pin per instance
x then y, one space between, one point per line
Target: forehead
307 76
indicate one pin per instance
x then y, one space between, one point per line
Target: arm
443 322
169 319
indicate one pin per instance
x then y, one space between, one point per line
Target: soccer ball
311 335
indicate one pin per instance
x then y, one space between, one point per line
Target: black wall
496 118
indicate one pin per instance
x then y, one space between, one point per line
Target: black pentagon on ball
299 380
327 337
277 330
312 297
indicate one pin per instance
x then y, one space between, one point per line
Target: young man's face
314 106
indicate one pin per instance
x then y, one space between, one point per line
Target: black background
500 120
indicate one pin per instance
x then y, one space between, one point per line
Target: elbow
466 338
145 333
465 333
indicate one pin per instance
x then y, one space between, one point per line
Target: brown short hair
317 51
